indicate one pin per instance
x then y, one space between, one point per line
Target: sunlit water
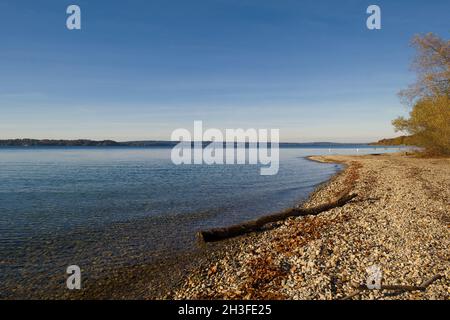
103 207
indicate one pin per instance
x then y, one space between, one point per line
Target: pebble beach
399 222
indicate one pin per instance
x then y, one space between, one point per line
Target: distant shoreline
30 143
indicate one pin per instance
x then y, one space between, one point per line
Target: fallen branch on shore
255 225
401 288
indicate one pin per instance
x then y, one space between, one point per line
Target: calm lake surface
110 207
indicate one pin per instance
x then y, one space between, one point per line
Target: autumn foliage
429 97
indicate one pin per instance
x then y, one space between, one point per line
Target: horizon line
176 141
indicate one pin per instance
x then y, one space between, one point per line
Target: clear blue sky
140 69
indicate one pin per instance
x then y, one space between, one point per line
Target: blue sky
140 69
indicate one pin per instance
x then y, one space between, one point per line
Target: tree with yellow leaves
429 97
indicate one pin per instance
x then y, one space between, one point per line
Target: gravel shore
400 222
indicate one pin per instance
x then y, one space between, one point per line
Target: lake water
102 207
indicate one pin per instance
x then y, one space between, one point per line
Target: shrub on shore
429 123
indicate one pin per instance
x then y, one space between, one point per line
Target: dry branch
255 225
403 288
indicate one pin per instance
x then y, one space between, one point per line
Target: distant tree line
398 141
79 143
153 143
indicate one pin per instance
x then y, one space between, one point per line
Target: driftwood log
218 234
400 288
